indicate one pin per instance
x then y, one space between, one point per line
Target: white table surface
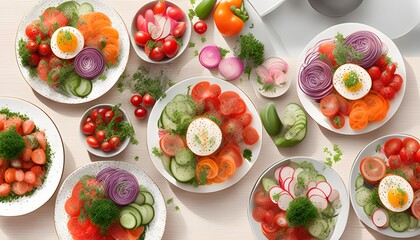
220 215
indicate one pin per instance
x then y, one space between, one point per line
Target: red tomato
393 146
141 38
233 151
175 13
373 169
32 46
92 188
381 63
297 233
33 31
250 135
417 156
231 104
415 182
179 29
377 85
245 118
100 135
374 72
391 68
92 142
386 78
211 104
338 121
148 100
329 106
73 206
232 130
109 115
34 59
106 146
88 128
170 47
140 112
411 145
204 89
94 114
388 93
258 213
263 200
269 226
394 161
73 225
327 49
101 114
200 27
136 100
344 105
171 143
280 219
117 231
44 49
159 8
115 142
52 19
396 83
157 54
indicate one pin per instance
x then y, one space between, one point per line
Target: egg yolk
352 81
66 41
397 197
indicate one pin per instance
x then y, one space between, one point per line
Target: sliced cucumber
413 223
268 183
320 178
318 227
130 217
294 120
167 122
72 82
369 208
69 8
147 212
182 173
399 222
140 199
84 88
184 156
149 198
166 162
363 196
306 176
84 9
359 182
329 211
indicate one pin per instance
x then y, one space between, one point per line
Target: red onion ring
89 63
315 79
367 44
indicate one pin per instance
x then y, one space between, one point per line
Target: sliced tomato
269 227
76 189
280 219
258 213
338 121
42 70
327 49
231 104
393 146
204 89
52 19
344 105
329 106
75 228
250 135
415 182
245 118
15 122
373 169
232 130
92 188
171 143
263 200
233 151
73 206
415 208
297 233
211 104
118 232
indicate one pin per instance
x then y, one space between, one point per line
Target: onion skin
367 44
315 79
89 63
231 68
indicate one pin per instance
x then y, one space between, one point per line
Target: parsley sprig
333 157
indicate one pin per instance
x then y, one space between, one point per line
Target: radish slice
380 218
264 74
284 201
292 187
297 171
286 172
277 173
286 184
319 201
141 23
316 191
311 184
334 195
275 193
325 187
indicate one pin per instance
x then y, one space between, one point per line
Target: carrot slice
38 156
110 32
227 164
208 166
96 17
99 25
110 53
84 27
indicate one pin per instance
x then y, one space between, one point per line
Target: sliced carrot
111 53
209 166
10 175
97 26
227 164
38 156
28 126
109 32
221 177
26 155
96 17
40 138
358 118
134 234
84 27
95 41
19 175
30 177
4 189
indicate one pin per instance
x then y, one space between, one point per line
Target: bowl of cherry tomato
160 31
106 130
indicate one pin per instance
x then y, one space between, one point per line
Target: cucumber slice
363 196
130 217
147 213
85 8
182 173
329 212
306 176
318 227
166 162
320 178
369 208
140 199
84 88
69 8
167 123
72 82
149 198
413 223
399 222
184 156
359 181
268 183
294 119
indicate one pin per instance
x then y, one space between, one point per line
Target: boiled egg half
395 193
203 136
352 81
67 42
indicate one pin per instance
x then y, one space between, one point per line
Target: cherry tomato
245 118
200 27
269 226
88 128
44 49
179 29
386 78
338 121
89 120
101 114
388 93
396 82
159 8
374 72
411 145
404 156
280 219
329 106
391 68
344 105
32 46
394 161
377 85
170 47
115 142
141 38
175 13
157 54
33 31
148 100
100 135
109 115
417 156
381 63
94 114
250 135
263 200
140 112
136 100
106 146
92 142
258 213
393 146
34 59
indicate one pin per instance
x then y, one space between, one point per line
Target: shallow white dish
312 107
370 150
332 177
156 227
100 87
153 137
27 204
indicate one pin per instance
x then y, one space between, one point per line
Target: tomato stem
240 12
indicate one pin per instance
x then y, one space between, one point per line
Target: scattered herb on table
191 45
177 208
169 201
250 50
196 53
247 154
378 148
203 39
136 158
223 52
252 26
333 158
191 14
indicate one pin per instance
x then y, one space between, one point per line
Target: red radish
325 187
284 201
311 184
319 201
141 23
275 193
286 172
277 173
286 184
292 186
297 171
334 195
380 218
315 191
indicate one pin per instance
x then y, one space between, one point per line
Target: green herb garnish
103 212
12 144
157 152
223 52
332 158
250 50
352 79
301 212
247 154
203 39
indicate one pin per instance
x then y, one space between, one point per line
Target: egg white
194 136
340 87
65 55
393 182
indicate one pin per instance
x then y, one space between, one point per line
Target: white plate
41 195
312 107
370 150
156 227
265 7
153 137
100 87
332 178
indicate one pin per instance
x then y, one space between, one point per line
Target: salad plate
324 175
312 107
155 229
42 194
99 86
154 133
376 149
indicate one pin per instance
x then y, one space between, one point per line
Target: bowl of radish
160 31
300 198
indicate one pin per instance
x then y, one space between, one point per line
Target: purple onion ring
89 63
367 44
